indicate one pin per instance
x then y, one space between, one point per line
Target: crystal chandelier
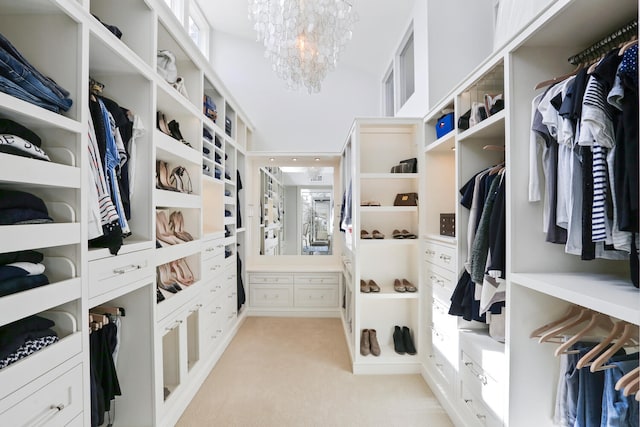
302 38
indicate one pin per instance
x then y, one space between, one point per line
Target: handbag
406 199
166 66
413 165
463 121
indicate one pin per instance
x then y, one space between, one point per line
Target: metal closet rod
601 47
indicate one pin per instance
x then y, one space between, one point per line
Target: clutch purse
406 199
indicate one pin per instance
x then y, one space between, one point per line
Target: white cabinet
287 293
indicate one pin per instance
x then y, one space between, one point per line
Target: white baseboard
292 312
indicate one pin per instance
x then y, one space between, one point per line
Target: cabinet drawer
442 319
212 266
443 342
212 248
278 278
476 410
55 404
106 275
316 296
271 295
442 283
481 384
440 255
316 279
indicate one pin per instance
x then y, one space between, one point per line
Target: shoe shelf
172 199
389 293
229 201
490 128
168 147
174 302
173 252
111 55
445 143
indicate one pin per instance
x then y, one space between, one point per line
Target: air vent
317 178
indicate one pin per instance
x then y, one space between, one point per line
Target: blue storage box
444 125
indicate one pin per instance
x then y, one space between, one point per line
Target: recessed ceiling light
272 159
295 159
317 159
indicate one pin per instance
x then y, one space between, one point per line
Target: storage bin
444 125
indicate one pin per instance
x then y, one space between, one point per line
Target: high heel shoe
161 123
176 224
180 179
162 176
163 232
182 271
174 128
167 280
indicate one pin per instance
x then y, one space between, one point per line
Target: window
406 69
198 29
176 7
389 94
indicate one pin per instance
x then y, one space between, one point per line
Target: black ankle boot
408 342
398 343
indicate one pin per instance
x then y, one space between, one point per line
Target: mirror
296 210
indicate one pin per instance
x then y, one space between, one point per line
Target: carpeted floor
296 372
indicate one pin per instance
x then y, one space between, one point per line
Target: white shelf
382 295
109 54
173 199
30 115
388 242
130 244
29 236
388 209
229 200
490 128
444 144
229 220
442 239
173 147
49 174
386 176
173 252
612 295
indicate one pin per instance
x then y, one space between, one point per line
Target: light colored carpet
296 372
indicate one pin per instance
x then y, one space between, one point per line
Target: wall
287 121
291 220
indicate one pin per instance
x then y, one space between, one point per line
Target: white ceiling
375 36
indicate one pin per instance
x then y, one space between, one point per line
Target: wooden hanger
628 337
633 387
558 79
601 346
491 147
554 334
627 45
105 309
627 378
573 311
598 320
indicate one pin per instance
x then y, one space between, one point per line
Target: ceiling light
303 39
317 159
272 159
295 159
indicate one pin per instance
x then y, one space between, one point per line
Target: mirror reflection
296 210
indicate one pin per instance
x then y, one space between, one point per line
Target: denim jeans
24 77
47 81
619 410
10 88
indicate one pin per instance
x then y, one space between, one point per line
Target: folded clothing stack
19 207
24 337
20 141
20 271
21 79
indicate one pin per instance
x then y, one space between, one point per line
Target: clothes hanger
600 347
554 335
598 320
559 79
627 378
633 387
629 336
627 45
573 311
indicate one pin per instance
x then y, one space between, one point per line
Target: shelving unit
373 147
542 280
176 342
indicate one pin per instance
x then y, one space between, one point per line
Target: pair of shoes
375 234
159 296
206 134
227 232
176 225
180 87
370 203
182 271
404 234
403 286
402 341
163 231
369 343
227 213
180 180
206 169
161 123
370 286
174 129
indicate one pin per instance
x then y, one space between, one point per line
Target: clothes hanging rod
601 47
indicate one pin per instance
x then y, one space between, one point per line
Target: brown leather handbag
406 199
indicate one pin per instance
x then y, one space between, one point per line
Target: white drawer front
108 274
442 366
441 255
55 404
443 342
476 410
316 279
441 282
481 384
316 296
271 295
442 319
212 266
272 278
212 248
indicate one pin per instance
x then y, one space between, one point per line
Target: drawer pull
445 258
175 325
478 375
439 365
127 269
430 252
210 249
481 417
43 420
468 401
196 308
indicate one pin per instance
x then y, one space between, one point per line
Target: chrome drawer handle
127 269
196 308
175 325
478 375
445 258
210 249
430 252
51 412
481 417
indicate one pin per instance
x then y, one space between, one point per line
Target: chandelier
302 38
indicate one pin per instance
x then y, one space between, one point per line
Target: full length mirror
296 210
